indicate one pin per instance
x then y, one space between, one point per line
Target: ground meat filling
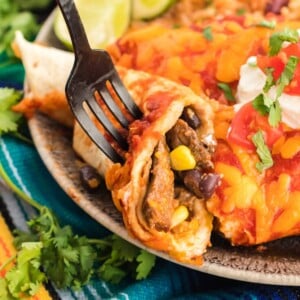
201 180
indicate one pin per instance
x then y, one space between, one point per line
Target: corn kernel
182 158
180 214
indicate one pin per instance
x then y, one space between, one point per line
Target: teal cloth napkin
167 280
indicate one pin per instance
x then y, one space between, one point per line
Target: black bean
275 6
90 179
201 184
208 184
191 180
191 118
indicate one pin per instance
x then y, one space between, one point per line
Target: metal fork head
93 85
95 107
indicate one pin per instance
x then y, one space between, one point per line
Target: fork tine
107 124
123 94
113 107
94 133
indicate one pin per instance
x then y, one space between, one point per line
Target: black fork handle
78 35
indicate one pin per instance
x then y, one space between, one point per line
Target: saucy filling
175 187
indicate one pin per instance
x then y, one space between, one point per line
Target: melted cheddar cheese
253 207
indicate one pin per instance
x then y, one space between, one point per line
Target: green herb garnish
10 120
259 104
264 103
278 38
227 91
267 24
241 11
207 33
19 15
262 151
270 79
287 74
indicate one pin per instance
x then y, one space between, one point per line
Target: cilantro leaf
267 24
13 21
207 33
287 74
263 152
8 118
146 262
269 80
111 273
265 104
125 250
227 91
278 38
275 114
26 276
259 104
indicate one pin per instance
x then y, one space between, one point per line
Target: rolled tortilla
47 70
158 209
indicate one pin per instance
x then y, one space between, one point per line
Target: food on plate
168 173
43 93
259 154
218 147
173 116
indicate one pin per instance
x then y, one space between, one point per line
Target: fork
93 71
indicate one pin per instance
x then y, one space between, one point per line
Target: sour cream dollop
251 83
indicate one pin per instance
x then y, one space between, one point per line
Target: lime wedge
149 9
104 21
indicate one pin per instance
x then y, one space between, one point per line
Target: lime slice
149 9
104 21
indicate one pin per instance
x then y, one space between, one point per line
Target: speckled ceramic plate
278 263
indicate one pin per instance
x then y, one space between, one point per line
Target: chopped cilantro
259 104
262 151
264 103
270 79
241 11
207 33
267 24
274 113
278 38
287 74
227 91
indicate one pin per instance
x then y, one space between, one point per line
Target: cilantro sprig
10 121
227 91
19 15
278 38
207 33
50 251
263 152
53 252
268 105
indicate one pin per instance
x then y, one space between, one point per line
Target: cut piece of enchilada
161 200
